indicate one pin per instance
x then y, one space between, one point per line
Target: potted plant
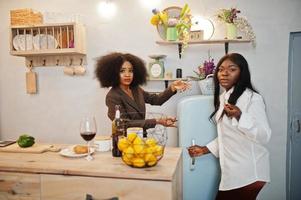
205 76
228 16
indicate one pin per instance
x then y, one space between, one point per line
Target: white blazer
239 144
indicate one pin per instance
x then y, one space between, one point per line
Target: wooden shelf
166 80
221 41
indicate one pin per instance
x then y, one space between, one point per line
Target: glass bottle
117 131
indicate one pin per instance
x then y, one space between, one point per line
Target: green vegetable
25 141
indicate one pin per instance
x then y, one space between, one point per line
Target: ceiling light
107 9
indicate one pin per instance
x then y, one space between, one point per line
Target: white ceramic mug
79 70
69 70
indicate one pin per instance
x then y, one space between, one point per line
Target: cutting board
36 148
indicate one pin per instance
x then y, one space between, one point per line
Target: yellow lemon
129 152
150 150
131 136
158 150
138 162
123 144
151 142
126 159
138 145
152 163
150 158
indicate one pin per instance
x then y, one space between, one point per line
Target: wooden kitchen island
50 176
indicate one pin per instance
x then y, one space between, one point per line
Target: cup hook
30 66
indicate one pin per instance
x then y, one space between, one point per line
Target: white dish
16 42
23 42
68 152
40 42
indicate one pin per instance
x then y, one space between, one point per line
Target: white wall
53 114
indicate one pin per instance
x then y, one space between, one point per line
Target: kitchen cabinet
19 186
50 176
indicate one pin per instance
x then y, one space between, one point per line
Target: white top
239 145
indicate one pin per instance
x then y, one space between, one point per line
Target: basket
142 152
207 85
25 16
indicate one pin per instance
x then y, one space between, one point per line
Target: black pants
248 192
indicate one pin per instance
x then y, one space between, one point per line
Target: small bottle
117 131
179 73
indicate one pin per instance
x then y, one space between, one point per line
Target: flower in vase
242 24
207 68
227 15
182 23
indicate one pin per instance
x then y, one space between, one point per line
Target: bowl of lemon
138 151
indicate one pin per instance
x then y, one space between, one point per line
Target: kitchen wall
54 113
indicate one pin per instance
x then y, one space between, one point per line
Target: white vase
207 85
231 30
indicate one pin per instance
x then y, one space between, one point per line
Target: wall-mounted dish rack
49 44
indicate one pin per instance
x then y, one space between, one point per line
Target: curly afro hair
108 69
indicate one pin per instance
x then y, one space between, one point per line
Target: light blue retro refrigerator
201 180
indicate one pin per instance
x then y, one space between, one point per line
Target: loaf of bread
80 149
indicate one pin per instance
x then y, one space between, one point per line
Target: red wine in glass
88 132
88 136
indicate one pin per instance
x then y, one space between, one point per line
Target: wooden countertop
103 165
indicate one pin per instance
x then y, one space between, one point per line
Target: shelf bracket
226 47
166 84
180 45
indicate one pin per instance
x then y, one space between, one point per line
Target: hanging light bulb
150 4
107 9
201 23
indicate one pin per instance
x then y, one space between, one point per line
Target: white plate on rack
68 152
23 42
42 41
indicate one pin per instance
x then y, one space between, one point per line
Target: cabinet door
57 187
19 186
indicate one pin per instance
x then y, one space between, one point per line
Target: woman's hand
180 85
168 121
197 150
232 111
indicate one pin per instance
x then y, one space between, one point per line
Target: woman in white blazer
242 128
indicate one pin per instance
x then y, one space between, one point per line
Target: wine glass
88 132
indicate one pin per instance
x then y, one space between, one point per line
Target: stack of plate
38 42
